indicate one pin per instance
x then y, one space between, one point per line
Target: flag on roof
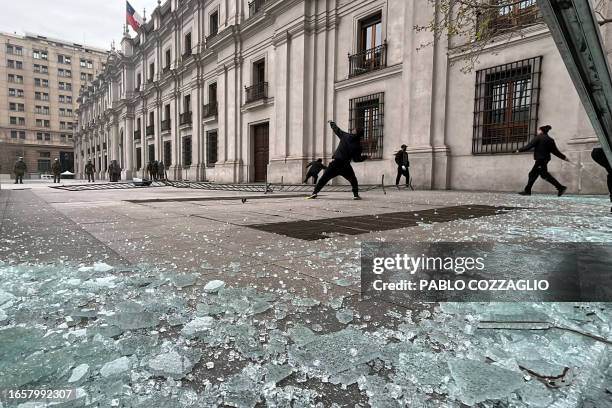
133 18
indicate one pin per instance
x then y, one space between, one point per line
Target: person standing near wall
349 149
543 146
599 156
403 164
56 169
89 170
19 169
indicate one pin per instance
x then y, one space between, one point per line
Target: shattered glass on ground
141 337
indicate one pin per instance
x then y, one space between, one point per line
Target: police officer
403 164
89 170
314 168
150 170
19 169
349 149
114 171
543 146
56 169
161 170
599 156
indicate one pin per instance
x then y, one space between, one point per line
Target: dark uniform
348 149
161 171
150 170
89 170
114 171
403 164
19 169
543 146
314 168
599 156
56 169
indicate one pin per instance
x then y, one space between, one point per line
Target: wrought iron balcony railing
137 134
368 60
255 7
256 92
185 118
150 130
165 125
210 110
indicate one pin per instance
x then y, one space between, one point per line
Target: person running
599 156
56 169
543 146
314 168
348 149
403 164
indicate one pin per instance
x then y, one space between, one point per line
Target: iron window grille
256 6
187 151
211 148
368 60
256 92
367 115
506 106
498 20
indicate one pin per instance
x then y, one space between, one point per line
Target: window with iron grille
367 115
187 151
497 20
506 106
211 148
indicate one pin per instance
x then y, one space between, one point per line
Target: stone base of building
288 171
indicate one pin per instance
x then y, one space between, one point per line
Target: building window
167 153
256 6
83 63
187 51
168 59
214 24
44 165
151 72
14 134
83 76
138 158
211 148
138 81
506 106
187 151
371 49
367 115
90 64
501 19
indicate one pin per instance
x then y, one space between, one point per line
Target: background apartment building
241 91
40 79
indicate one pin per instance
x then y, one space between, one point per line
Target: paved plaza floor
171 297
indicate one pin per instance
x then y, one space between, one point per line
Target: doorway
261 151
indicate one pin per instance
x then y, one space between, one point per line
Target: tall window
168 59
214 24
371 48
167 153
138 158
370 32
367 116
187 104
187 151
187 44
211 148
506 106
259 71
151 71
167 112
212 93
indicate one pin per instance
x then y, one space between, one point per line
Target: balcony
187 54
137 134
165 125
209 110
368 60
185 119
256 92
150 130
166 69
150 80
255 7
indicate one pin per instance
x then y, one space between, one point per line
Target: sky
88 22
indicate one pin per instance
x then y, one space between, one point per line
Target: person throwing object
543 145
349 149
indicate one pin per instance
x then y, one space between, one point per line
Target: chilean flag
133 18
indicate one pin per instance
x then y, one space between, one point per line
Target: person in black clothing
403 164
315 168
348 149
543 146
599 156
